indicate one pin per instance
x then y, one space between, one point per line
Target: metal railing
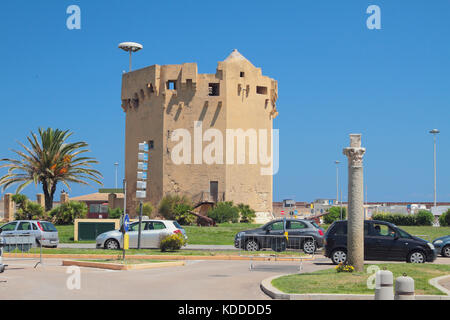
21 247
270 247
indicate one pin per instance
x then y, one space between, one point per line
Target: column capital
355 156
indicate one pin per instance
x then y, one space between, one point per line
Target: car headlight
438 242
240 234
430 245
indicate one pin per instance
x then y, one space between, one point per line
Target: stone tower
194 124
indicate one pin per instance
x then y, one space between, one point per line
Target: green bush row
444 219
422 218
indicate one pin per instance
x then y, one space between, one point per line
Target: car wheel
416 257
252 245
112 244
446 251
309 246
339 256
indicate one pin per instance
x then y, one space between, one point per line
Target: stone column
40 199
64 198
355 228
112 200
9 207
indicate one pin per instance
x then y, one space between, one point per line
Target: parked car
2 266
442 246
151 233
44 232
265 236
382 241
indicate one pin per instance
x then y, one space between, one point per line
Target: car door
379 242
296 229
275 234
133 233
9 228
401 245
157 230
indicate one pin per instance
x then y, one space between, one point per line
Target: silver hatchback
151 233
44 232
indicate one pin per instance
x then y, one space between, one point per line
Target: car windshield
315 224
48 227
403 234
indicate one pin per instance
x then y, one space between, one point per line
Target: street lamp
130 47
337 180
116 165
434 132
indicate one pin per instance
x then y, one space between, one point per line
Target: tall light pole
434 132
116 165
337 180
130 47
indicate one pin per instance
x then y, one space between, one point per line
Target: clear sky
335 77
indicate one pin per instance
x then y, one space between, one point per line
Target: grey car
44 232
305 234
151 233
442 246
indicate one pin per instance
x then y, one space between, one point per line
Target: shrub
247 214
224 212
424 218
115 213
172 242
334 214
444 219
28 210
66 213
176 207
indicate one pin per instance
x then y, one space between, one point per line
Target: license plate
53 241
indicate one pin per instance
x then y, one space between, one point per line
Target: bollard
404 288
384 281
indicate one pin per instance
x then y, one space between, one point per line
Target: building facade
194 125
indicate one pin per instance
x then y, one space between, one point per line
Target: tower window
242 74
151 145
172 85
213 89
261 90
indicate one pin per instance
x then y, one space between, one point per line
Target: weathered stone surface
355 233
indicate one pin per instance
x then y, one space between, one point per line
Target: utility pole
337 180
434 132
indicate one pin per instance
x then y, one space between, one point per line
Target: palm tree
47 161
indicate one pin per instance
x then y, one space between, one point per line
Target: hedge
422 218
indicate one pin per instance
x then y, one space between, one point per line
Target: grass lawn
222 234
329 281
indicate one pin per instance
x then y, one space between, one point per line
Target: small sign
126 222
143 147
282 212
141 194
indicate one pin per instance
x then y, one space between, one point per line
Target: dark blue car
442 246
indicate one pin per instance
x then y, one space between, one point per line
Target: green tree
247 214
66 213
47 161
115 213
444 219
334 213
176 207
224 212
424 218
27 210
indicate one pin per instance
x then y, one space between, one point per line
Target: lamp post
116 165
434 132
337 180
130 47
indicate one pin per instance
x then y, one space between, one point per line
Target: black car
382 241
302 234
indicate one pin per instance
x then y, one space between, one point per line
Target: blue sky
335 77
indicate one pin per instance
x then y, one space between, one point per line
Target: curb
156 257
116 266
274 293
435 283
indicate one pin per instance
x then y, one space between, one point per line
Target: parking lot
206 280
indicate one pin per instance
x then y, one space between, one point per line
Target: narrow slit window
214 89
242 74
